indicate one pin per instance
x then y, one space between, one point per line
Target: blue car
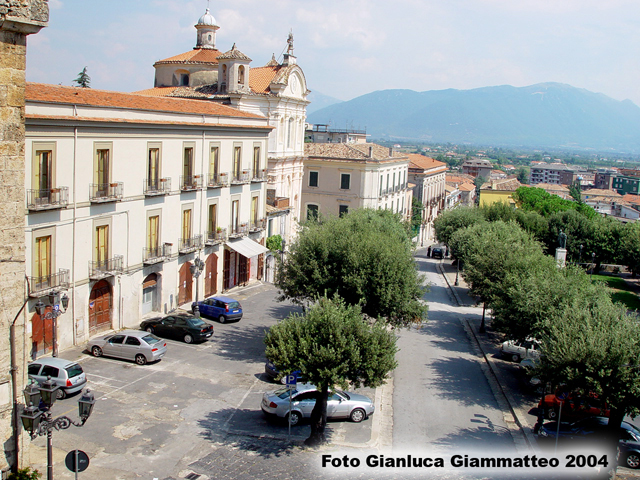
220 307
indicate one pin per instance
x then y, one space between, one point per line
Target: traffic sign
292 379
56 307
70 461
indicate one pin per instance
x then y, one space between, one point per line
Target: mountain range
545 115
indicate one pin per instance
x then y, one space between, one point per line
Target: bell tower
206 28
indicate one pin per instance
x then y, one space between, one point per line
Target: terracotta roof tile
197 55
354 151
466 187
502 185
260 78
156 92
233 54
425 163
600 192
39 92
632 199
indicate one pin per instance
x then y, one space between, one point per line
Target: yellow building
499 190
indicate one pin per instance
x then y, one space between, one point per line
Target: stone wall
18 18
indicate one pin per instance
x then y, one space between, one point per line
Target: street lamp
196 270
38 420
593 266
580 254
54 314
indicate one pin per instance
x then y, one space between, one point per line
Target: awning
246 247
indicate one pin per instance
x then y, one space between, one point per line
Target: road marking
131 383
225 427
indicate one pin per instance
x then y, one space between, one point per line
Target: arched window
241 75
290 133
184 79
224 74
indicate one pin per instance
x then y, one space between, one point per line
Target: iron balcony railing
48 199
257 225
106 192
240 177
259 175
159 254
157 186
240 231
105 268
216 237
217 180
188 245
190 182
39 286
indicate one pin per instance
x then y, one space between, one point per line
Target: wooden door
244 266
186 282
41 333
226 273
211 275
260 266
100 305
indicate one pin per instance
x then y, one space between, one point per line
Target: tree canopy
365 257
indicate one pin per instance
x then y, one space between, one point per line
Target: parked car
220 307
574 406
136 345
437 252
273 373
340 404
67 375
517 350
183 326
629 447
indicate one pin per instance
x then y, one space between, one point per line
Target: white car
518 350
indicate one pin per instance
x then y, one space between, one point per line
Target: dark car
629 447
220 307
437 252
183 326
273 373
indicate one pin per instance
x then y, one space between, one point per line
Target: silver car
67 375
136 345
339 405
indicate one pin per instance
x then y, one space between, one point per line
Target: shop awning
246 247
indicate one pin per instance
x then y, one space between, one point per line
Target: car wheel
188 338
515 357
551 414
96 351
295 418
357 415
222 319
60 394
149 329
141 359
633 460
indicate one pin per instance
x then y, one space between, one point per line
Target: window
387 182
313 179
381 179
241 75
237 161
312 212
235 211
214 162
42 173
50 371
153 175
345 181
290 134
254 209
343 210
186 225
42 257
102 244
213 217
256 161
184 79
153 232
101 170
187 164
132 341
394 181
117 339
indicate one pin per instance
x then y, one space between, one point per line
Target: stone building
18 19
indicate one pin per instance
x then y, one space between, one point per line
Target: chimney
371 152
391 151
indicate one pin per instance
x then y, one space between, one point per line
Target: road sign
70 461
56 307
292 379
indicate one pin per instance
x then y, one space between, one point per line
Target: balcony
190 183
153 255
216 238
257 225
105 268
240 178
218 180
50 199
156 187
106 192
188 245
39 286
259 176
241 230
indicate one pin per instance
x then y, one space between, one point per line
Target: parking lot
154 421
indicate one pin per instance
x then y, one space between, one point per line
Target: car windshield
151 339
74 370
196 322
234 305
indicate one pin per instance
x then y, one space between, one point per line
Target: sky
348 48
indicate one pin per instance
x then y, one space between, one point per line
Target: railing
48 199
106 192
105 268
159 186
40 285
257 225
217 237
240 177
259 175
190 182
151 255
217 180
239 231
188 245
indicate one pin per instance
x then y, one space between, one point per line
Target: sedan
340 404
141 347
220 307
179 325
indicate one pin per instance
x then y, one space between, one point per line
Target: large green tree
450 221
629 249
365 257
332 345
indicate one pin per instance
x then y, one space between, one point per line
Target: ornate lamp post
196 270
54 314
38 420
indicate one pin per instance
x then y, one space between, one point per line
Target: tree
449 221
522 174
331 344
416 213
629 252
365 257
83 80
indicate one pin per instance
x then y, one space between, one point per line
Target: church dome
207 19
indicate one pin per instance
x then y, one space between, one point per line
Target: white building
124 191
429 177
